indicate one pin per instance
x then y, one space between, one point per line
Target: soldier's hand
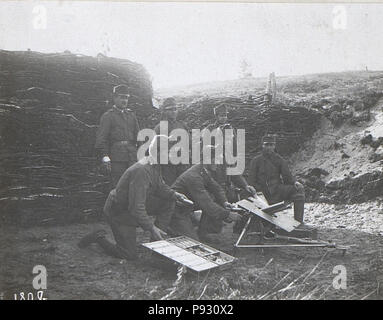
157 233
251 190
182 198
233 216
107 164
228 205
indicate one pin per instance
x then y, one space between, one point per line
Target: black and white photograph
198 151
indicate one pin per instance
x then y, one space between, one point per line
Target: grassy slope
340 97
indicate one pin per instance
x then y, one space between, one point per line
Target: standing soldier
170 172
270 174
116 139
228 182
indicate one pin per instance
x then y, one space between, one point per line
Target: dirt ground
299 273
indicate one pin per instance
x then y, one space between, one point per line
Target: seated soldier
198 184
270 174
127 206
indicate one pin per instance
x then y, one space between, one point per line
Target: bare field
300 273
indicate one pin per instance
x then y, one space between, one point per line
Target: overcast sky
185 43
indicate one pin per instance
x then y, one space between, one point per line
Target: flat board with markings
259 207
190 253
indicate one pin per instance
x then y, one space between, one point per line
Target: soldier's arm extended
102 136
138 188
202 199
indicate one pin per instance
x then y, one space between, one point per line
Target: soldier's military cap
220 109
269 138
121 89
169 103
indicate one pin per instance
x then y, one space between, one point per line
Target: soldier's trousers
209 224
124 225
284 192
181 222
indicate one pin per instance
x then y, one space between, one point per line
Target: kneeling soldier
198 184
127 205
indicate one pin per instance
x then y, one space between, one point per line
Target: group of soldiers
174 193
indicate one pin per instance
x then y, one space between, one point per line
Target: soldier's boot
114 250
299 207
90 238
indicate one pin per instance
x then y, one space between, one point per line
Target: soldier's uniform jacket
197 184
267 172
117 135
134 187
